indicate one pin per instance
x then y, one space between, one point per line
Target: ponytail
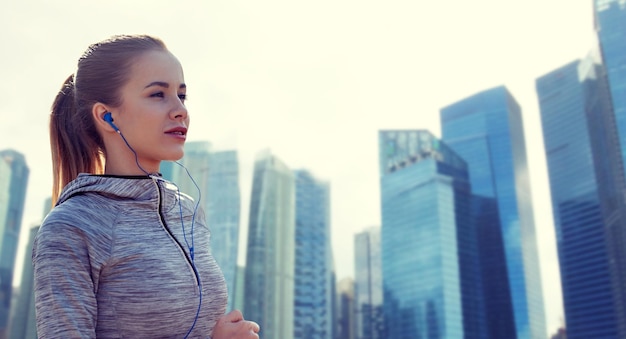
102 70
75 144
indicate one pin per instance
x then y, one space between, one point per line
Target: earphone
109 119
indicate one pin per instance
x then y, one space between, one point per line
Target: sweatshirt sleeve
65 286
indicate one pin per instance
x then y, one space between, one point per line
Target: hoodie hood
123 188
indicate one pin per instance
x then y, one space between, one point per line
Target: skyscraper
314 279
431 280
486 129
223 211
23 323
587 185
216 173
13 183
345 309
610 25
368 285
270 257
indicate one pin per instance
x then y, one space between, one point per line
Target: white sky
313 81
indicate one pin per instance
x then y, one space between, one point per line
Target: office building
486 130
13 183
610 26
430 263
213 180
586 185
368 285
270 256
314 276
345 309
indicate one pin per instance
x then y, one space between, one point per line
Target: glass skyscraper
216 173
587 187
431 280
270 257
23 324
610 25
368 285
486 130
345 309
223 213
314 279
13 183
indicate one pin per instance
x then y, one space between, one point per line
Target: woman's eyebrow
164 84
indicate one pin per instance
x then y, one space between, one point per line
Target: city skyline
314 82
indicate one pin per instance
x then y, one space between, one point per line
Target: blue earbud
108 118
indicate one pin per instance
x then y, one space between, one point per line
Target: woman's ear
103 118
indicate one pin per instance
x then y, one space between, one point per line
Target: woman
124 254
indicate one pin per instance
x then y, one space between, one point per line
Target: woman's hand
233 326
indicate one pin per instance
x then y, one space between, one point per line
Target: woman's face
153 117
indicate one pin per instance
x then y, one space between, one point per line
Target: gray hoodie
112 260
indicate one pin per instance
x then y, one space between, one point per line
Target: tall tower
345 309
223 211
216 173
610 25
587 185
13 183
486 130
314 279
368 285
23 323
270 257
431 280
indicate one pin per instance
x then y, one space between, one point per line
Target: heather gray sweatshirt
112 260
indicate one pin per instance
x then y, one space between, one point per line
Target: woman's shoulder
80 213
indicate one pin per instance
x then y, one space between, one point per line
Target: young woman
124 254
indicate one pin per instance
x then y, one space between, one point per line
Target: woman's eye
157 95
182 97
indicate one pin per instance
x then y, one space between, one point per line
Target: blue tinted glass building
270 256
216 174
368 285
13 183
610 22
431 283
223 211
314 279
486 130
345 309
213 180
23 324
586 184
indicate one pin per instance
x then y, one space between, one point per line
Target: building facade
345 309
213 180
23 324
14 174
223 214
432 287
610 26
314 278
270 256
486 129
368 285
587 185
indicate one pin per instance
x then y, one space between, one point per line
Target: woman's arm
65 300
